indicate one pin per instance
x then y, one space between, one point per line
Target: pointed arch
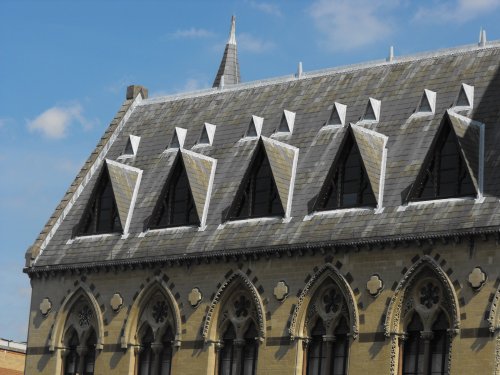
327 271
129 336
59 327
401 307
392 321
494 326
237 279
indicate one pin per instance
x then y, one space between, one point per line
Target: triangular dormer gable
356 177
207 134
185 197
131 147
175 206
372 111
465 98
255 127
452 167
337 116
286 123
110 207
258 194
178 138
427 103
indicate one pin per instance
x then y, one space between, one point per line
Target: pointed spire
482 38
229 66
232 31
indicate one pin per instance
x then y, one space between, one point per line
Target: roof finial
232 31
229 66
482 37
299 70
390 58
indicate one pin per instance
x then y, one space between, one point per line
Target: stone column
157 349
305 346
217 348
238 354
328 341
427 337
82 352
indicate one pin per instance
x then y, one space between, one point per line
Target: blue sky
65 65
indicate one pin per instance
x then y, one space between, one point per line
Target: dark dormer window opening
176 206
101 215
347 184
258 194
444 173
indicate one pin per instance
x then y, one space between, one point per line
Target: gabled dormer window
101 215
444 173
258 194
347 184
176 205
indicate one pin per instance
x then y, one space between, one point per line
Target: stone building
12 357
344 221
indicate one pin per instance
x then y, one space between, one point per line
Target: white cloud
350 24
268 8
456 11
192 33
55 121
249 43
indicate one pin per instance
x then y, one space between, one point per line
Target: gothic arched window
89 358
239 340
258 194
176 206
156 336
145 366
347 184
80 339
71 356
328 346
427 340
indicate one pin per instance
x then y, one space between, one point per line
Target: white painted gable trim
375 105
203 219
180 134
341 111
257 122
481 126
469 94
380 198
134 193
93 168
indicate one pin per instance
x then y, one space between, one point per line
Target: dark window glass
413 351
227 360
89 360
340 348
439 346
101 215
145 365
260 195
72 358
316 356
176 205
250 351
166 352
445 175
347 184
283 125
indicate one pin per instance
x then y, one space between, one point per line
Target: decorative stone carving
242 306
477 278
332 300
429 295
116 302
84 316
194 297
160 311
374 285
281 290
45 306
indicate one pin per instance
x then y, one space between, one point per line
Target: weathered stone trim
327 270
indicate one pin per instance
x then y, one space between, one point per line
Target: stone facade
474 343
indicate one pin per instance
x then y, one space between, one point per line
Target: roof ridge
327 71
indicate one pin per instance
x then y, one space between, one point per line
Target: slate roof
399 86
